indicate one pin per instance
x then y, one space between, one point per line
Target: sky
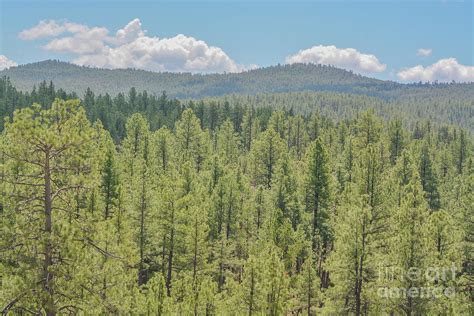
407 41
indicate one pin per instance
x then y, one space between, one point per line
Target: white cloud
50 28
424 52
86 41
6 63
130 32
444 70
130 47
348 58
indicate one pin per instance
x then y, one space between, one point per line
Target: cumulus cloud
50 28
129 33
424 52
86 41
130 47
348 58
444 70
6 63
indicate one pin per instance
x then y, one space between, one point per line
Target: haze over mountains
280 78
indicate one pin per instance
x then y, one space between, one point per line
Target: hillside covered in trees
293 203
280 78
439 107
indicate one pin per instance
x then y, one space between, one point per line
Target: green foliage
222 208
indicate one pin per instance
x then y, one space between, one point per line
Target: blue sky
258 33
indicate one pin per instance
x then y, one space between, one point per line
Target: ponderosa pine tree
297 137
249 128
266 151
368 128
227 142
47 161
114 273
286 195
445 236
317 195
163 145
396 140
307 288
170 219
359 228
409 248
139 183
429 180
278 123
189 138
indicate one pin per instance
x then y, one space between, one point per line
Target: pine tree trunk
310 289
170 260
315 221
252 289
48 277
195 254
141 272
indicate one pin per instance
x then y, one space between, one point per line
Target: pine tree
170 218
286 193
253 298
276 284
317 193
266 152
297 139
189 138
164 153
396 140
109 183
461 152
227 142
359 231
409 250
138 179
307 289
47 162
277 123
249 128
368 128
429 180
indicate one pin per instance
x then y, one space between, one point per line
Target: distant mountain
281 78
303 88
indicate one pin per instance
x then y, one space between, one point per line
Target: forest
272 79
146 205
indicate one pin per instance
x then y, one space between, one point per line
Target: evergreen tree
307 289
47 162
139 186
189 138
317 193
409 250
429 180
266 152
396 140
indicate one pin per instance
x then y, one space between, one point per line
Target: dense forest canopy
450 108
294 203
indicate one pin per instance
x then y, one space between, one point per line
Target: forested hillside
71 77
437 107
451 107
281 78
142 204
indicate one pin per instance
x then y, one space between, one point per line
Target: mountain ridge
278 78
271 79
